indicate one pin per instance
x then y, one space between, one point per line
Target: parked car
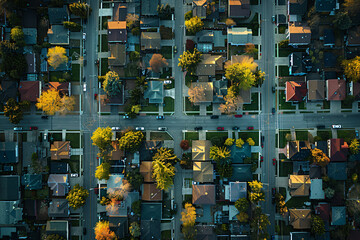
18 128
84 87
273 193
44 117
140 129
167 82
160 117
33 128
45 136
198 128
214 117
273 89
126 116
238 115
175 207
320 126
220 128
73 175
95 96
115 128
235 128
273 111
336 126
84 62
250 128
273 19
8 168
84 79
274 161
84 231
162 128
262 158
84 36
97 62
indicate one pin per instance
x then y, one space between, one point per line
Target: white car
336 126
167 82
162 128
17 128
84 36
140 129
84 87
115 128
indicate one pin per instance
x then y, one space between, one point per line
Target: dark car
198 128
214 117
273 110
97 61
273 193
321 126
262 139
44 117
250 128
95 96
220 128
84 231
273 89
235 128
160 117
33 128
238 115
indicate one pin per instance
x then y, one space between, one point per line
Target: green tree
242 204
352 68
163 173
218 153
135 178
77 196
319 157
240 75
54 237
164 11
14 110
342 20
72 26
224 168
80 9
13 60
194 25
102 138
134 230
103 171
17 35
134 56
259 223
189 232
136 207
188 61
131 141
167 155
329 192
229 142
112 84
317 225
242 217
188 15
239 142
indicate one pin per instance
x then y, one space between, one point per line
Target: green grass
74 139
324 134
326 104
302 105
302 135
151 107
253 135
285 168
56 136
254 102
254 2
282 139
282 29
347 135
189 106
189 79
166 51
169 104
42 193
346 105
104 43
282 101
166 235
75 223
190 136
160 136
283 71
104 66
74 163
75 72
72 50
297 202
210 135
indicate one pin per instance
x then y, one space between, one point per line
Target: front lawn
254 135
151 107
282 138
166 51
347 135
75 72
74 163
286 168
283 71
169 104
104 43
297 202
104 66
190 136
219 134
74 139
302 135
254 103
56 136
160 136
189 106
166 235
283 229
324 134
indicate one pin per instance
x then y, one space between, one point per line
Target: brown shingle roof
203 194
117 31
60 150
29 90
316 90
151 193
300 218
295 91
336 89
299 185
63 87
117 55
203 172
146 169
201 150
239 8
117 153
209 65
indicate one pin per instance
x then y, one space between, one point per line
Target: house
207 97
335 89
29 18
316 189
149 7
209 65
355 89
338 216
58 15
12 212
64 88
300 218
146 169
149 22
116 153
59 208
239 9
299 185
325 6
322 145
150 192
315 171
219 39
60 227
239 36
203 172
32 181
119 225
239 154
151 214
316 90
199 8
296 9
245 96
298 150
323 210
330 60
114 183
155 92
205 41
150 41
8 89
299 235
59 167
117 55
299 64
299 34
10 187
43 60
329 38
29 90
58 35
201 150
353 37
301 167
237 190
203 194
117 32
205 232
337 171
295 91
31 63
148 149
337 150
30 36
119 12
59 184
241 173
220 91
9 152
60 150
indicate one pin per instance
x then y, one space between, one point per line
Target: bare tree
157 62
197 94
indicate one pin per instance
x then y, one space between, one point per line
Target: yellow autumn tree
49 102
239 142
319 157
188 215
229 142
57 56
102 231
102 138
250 141
67 104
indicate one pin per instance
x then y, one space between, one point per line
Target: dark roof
298 150
205 36
149 22
322 145
148 149
315 171
220 90
117 31
10 185
338 150
353 36
8 89
325 5
301 167
29 90
329 38
151 211
7 152
29 18
323 210
30 60
119 225
281 19
337 170
59 207
204 232
119 11
150 229
32 181
58 15
299 235
299 34
59 167
203 194
295 91
58 35
239 8
241 173
299 63
149 7
297 7
329 60
330 75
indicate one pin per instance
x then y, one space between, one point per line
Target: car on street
262 158
44 117
167 82
175 207
336 126
84 79
33 128
140 129
356 133
274 161
273 111
74 175
115 128
198 128
273 193
238 115
235 128
320 126
214 117
95 96
84 36
126 116
273 19
273 89
162 128
175 49
84 87
18 128
97 62
84 231
160 117
84 62
250 128
45 136
220 128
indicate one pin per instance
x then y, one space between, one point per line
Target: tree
280 204
77 196
112 84
189 233
242 217
242 204
134 56
194 25
188 61
256 186
14 110
131 141
72 26
49 102
188 215
229 22
259 224
188 15
135 178
157 62
136 207
134 230
17 35
232 100
251 50
354 146
186 161
224 168
163 173
256 193
197 94
218 153
184 144
354 177
229 142
102 138
250 141
164 11
167 155
56 56
103 171
102 231
352 68
317 225
329 192
319 158
132 21
80 9
239 142
105 201
353 8
67 104
13 60
284 43
342 20
54 237
240 75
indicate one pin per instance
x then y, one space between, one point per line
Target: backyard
286 168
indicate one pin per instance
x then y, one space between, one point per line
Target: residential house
116 153
329 37
64 88
299 185
114 183
59 208
205 41
58 15
323 211
199 8
330 60
155 92
203 172
148 149
10 187
150 41
355 89
12 212
209 65
205 232
299 235
295 91
315 171
299 64
201 150
149 7
117 56
239 9
149 22
299 34
353 37
58 35
238 155
9 152
219 41
119 11
60 227
146 169
32 181
59 184
338 216
335 89
325 6
8 89
300 218
298 150
316 90
337 150
30 36
119 225
220 91
239 36
60 150
316 189
203 194
207 97
30 90
337 171
296 9
150 192
322 145
59 167
241 173
117 32
43 60
151 214
237 190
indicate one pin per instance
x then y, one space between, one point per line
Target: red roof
61 87
338 150
295 91
355 91
29 91
323 210
336 89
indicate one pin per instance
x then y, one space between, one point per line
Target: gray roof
119 225
205 36
58 35
7 151
219 39
239 35
30 35
150 229
297 7
149 7
150 40
146 22
60 227
10 212
59 184
237 190
241 173
337 171
119 12
338 216
220 91
32 181
8 89
155 92
10 185
59 207
58 15
325 5
151 211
